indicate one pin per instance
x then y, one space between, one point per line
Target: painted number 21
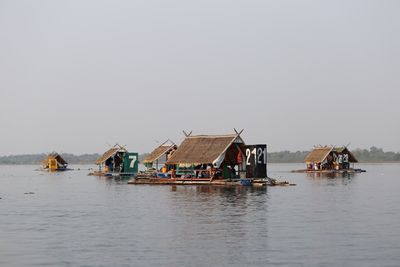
260 155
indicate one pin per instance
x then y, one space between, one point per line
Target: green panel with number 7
131 163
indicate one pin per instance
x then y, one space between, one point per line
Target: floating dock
217 182
347 171
111 174
218 160
117 162
330 160
54 163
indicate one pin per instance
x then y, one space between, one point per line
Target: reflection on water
333 178
77 220
316 175
236 191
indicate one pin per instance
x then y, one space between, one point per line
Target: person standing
340 161
346 161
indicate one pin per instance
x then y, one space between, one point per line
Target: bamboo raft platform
200 181
54 170
110 174
346 171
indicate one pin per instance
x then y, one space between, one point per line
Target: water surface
71 219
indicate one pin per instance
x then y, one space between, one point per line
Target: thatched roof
109 153
203 149
319 154
159 152
345 150
55 156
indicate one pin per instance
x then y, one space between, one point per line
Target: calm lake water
72 219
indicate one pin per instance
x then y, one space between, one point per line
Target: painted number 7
133 160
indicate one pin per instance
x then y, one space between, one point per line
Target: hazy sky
76 75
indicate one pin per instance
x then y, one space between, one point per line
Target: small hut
208 156
54 162
118 161
160 155
329 158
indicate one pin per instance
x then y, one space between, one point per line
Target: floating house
159 155
117 161
54 162
209 156
211 160
330 159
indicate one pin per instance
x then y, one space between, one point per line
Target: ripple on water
78 220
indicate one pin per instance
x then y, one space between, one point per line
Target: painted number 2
260 156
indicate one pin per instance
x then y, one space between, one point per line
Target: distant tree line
373 154
38 158
287 156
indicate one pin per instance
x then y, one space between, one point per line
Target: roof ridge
212 136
